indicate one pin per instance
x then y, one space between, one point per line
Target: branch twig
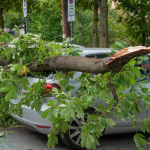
48 50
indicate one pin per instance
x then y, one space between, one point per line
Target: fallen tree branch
112 63
114 93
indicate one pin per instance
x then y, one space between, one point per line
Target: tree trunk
66 24
144 23
103 28
1 18
95 23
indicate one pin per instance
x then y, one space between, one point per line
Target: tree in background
95 24
83 27
103 28
136 17
47 21
13 18
116 30
15 5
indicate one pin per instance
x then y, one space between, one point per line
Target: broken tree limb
112 63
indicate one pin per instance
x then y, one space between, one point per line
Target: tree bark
103 28
1 18
144 23
66 24
95 24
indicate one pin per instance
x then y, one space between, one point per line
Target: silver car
31 119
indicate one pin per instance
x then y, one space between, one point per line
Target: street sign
71 10
25 8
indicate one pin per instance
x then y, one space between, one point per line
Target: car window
99 56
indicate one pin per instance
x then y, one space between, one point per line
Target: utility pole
66 24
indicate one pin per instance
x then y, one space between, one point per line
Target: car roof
85 51
74 45
91 51
96 51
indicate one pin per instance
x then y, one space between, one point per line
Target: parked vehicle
31 119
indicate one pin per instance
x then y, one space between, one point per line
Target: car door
144 113
119 121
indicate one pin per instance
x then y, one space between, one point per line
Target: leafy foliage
13 18
67 106
135 18
119 44
116 29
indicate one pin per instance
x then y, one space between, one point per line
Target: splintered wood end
126 54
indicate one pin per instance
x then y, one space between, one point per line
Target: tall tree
103 28
95 24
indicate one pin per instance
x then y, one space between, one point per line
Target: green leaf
127 104
9 132
45 113
50 116
132 80
141 77
20 70
144 90
143 126
9 95
122 80
25 83
55 112
96 141
110 122
80 113
103 122
67 116
53 139
72 112
37 106
125 113
50 103
94 90
15 94
6 88
85 140
146 57
2 134
138 139
62 105
136 71
120 44
89 99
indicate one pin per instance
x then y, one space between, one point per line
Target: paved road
24 139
